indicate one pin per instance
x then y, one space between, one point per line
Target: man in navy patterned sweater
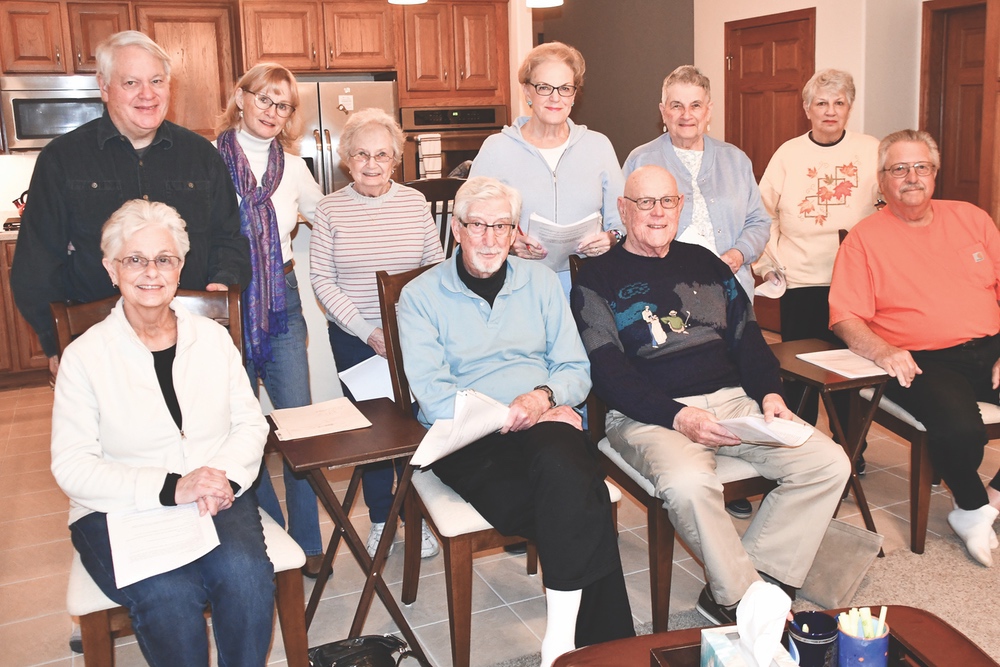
674 348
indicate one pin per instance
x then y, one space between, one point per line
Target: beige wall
877 41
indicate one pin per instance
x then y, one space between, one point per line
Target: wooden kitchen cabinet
199 40
20 351
318 36
287 33
359 35
456 53
32 38
89 25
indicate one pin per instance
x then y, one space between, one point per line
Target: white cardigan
113 439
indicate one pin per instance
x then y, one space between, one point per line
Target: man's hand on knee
564 414
773 406
702 427
525 410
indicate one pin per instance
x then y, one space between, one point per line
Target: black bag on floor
367 651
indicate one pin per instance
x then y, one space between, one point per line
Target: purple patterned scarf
264 310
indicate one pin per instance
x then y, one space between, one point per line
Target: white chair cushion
990 412
84 597
450 513
728 468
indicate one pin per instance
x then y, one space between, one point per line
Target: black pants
545 484
944 399
805 313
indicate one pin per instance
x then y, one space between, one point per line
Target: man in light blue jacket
501 325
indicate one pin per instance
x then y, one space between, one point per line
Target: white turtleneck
297 193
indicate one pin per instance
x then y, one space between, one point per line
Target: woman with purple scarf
274 187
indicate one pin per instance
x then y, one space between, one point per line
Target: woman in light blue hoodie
563 171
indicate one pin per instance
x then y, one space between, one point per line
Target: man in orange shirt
915 289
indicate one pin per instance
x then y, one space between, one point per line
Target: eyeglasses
263 102
136 263
546 89
647 203
901 169
478 229
362 157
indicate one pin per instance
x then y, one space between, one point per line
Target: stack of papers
476 416
775 433
843 362
561 241
318 419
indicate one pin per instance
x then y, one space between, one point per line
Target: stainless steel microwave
36 109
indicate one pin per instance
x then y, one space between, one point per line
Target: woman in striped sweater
370 225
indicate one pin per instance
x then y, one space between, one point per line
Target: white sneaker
374 535
429 546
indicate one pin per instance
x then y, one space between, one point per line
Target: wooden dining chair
440 194
462 530
101 619
739 480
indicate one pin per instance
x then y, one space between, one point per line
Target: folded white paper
318 419
776 433
843 362
370 379
561 241
771 290
145 543
476 416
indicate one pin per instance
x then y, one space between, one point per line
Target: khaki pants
787 529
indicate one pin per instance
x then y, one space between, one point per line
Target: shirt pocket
974 259
193 200
90 203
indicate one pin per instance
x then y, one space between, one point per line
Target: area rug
943 580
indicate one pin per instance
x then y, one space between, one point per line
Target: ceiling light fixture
542 4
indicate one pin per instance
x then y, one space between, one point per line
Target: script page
561 241
476 416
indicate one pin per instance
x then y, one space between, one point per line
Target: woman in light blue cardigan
563 171
722 210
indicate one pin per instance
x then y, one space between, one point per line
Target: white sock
561 608
975 527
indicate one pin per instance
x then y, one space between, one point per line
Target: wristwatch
548 392
618 235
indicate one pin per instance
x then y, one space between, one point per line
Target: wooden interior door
768 61
952 101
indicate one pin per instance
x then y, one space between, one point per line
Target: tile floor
509 609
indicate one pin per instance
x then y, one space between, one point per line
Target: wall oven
36 109
463 131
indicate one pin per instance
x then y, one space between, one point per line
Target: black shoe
861 465
311 568
715 612
517 549
76 640
741 509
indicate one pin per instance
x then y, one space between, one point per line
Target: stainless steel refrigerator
325 105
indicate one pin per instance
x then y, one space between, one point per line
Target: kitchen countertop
8 236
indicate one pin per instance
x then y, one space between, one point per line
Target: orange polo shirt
921 288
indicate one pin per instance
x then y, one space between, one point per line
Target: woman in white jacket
153 410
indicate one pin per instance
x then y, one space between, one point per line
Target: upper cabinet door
476 47
199 41
31 38
282 32
359 35
91 24
428 38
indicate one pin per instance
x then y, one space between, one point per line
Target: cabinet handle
58 56
79 58
461 74
446 75
331 53
314 52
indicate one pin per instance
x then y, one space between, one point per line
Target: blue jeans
376 478
167 610
287 385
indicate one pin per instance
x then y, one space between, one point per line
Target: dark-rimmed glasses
545 89
263 102
478 229
647 203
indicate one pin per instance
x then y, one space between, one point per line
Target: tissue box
720 648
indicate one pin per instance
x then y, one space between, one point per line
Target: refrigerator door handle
329 162
320 166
